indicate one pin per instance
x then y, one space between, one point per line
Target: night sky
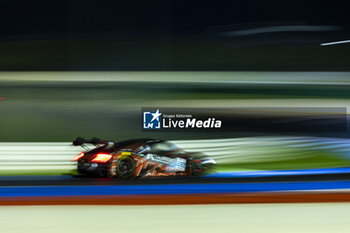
172 35
21 17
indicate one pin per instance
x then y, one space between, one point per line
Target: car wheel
125 167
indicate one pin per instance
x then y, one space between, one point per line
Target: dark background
35 17
171 35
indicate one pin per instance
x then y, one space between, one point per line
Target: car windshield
165 146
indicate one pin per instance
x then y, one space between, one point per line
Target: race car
137 158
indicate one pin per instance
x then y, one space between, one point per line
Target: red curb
250 198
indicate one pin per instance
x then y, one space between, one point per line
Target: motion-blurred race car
139 158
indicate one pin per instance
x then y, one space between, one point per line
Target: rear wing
79 141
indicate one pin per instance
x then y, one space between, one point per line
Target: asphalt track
68 180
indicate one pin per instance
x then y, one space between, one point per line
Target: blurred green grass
171 53
315 159
61 111
310 159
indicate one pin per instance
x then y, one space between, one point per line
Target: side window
159 147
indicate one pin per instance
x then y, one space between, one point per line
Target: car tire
125 167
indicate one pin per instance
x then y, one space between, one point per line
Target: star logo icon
156 115
151 119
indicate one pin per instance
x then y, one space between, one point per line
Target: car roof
138 140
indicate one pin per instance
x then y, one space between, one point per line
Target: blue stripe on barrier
319 171
30 191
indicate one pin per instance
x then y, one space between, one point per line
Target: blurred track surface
271 218
229 177
328 174
84 191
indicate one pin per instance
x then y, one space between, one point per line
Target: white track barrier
58 155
